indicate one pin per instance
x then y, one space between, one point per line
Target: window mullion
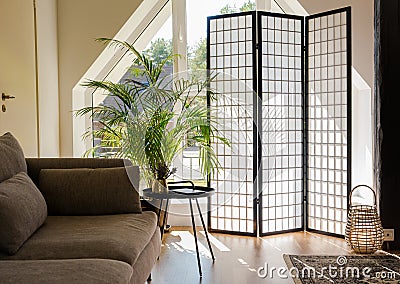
179 36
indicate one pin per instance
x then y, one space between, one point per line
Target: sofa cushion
119 237
22 211
90 191
11 157
35 165
65 271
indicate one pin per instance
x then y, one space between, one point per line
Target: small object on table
183 192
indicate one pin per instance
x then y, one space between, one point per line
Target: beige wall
79 24
363 31
66 30
18 72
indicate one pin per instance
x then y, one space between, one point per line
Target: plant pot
159 186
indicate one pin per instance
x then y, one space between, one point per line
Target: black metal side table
190 192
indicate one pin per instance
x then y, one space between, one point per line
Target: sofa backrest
86 186
36 164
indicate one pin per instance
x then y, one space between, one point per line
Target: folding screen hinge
257 45
257 200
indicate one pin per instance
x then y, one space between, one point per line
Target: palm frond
153 122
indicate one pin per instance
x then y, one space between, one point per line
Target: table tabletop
180 192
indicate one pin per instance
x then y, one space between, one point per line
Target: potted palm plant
151 123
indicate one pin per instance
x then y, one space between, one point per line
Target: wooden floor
237 258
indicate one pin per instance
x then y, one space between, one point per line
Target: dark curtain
387 112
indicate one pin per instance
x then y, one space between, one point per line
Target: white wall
79 24
111 64
47 67
18 72
362 168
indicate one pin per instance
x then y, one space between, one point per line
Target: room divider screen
283 86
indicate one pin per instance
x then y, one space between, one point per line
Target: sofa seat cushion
65 271
120 237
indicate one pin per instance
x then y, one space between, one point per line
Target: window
159 47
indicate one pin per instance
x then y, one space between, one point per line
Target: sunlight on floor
220 246
187 243
246 265
275 247
328 241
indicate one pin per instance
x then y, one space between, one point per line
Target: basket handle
361 185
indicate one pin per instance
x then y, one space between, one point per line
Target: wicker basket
364 232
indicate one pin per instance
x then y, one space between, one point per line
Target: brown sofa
94 231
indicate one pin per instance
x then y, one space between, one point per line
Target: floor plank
237 258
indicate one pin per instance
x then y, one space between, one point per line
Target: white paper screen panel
232 59
281 95
329 103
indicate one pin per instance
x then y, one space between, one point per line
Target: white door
18 73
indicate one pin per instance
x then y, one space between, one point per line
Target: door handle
4 97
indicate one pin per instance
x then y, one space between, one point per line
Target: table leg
195 237
205 230
165 218
159 211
